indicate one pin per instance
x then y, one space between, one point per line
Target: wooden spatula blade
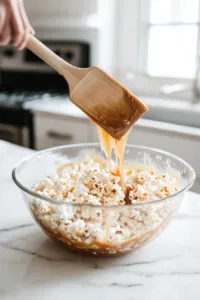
107 102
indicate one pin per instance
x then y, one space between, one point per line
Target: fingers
5 36
20 23
2 16
27 27
16 22
24 40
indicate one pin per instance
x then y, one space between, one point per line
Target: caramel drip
107 144
119 152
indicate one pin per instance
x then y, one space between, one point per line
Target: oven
24 78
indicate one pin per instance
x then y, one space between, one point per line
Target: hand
14 23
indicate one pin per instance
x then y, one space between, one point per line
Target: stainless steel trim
17 62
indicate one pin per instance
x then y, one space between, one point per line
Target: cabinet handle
59 136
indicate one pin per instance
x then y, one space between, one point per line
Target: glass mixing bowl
55 217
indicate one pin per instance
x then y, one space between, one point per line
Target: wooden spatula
99 95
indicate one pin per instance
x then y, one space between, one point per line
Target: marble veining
34 267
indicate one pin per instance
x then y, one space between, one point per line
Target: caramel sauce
108 143
129 188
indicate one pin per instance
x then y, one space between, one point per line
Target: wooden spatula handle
47 55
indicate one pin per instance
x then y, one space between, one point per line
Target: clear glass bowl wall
45 163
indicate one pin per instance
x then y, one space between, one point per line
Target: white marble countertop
34 267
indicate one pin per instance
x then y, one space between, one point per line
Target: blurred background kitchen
151 46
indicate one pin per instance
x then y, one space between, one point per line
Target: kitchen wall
92 21
61 8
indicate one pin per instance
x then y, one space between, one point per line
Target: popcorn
66 213
70 197
48 183
140 191
81 191
126 234
89 182
95 230
86 213
76 228
112 232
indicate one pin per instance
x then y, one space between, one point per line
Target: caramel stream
108 143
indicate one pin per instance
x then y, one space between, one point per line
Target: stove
25 78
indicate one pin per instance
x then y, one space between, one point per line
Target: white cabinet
51 131
182 144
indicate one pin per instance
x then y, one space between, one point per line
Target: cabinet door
52 132
182 144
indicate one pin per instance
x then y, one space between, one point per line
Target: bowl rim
61 202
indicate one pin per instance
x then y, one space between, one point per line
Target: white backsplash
66 8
